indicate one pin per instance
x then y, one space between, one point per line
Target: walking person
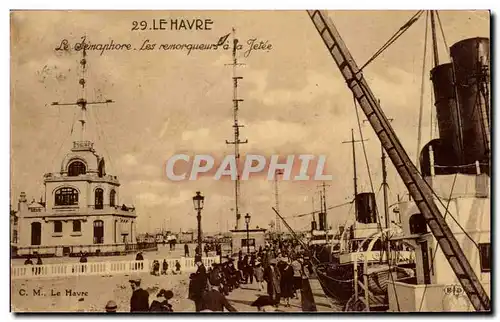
287 282
297 277
139 302
259 275
249 270
186 250
213 300
272 277
199 284
241 268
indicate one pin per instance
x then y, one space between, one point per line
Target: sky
169 102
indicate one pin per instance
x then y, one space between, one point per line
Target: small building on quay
82 211
254 238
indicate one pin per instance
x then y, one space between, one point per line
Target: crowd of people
277 269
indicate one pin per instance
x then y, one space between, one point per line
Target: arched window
66 197
98 232
77 225
99 198
417 224
112 198
76 168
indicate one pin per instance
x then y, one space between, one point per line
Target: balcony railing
83 177
116 207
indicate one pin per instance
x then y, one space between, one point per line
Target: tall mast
355 177
385 188
312 201
434 39
236 127
82 102
323 186
276 198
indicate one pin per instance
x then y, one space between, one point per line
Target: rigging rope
65 137
394 37
421 104
314 212
366 158
101 127
442 33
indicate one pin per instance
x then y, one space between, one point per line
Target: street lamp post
198 201
247 221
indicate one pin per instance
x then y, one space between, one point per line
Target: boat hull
337 280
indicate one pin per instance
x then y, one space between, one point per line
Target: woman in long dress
259 275
273 277
287 282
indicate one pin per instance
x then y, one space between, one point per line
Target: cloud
128 160
295 101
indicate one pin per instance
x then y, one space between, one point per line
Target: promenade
83 292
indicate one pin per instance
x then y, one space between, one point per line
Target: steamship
447 220
362 251
457 168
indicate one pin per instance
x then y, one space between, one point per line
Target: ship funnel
471 64
447 114
322 221
366 208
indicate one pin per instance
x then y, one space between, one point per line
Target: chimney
23 202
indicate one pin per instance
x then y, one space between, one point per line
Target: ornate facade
82 210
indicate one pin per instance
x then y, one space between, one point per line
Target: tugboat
362 250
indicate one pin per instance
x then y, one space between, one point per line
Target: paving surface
90 293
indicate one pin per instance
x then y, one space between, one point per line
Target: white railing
103 268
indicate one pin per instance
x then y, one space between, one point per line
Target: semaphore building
82 211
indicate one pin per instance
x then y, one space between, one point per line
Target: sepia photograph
285 161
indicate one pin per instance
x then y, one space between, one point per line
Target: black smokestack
471 63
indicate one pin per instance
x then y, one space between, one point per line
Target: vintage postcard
250 161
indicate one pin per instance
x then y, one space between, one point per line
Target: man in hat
273 278
111 307
199 281
214 300
264 303
161 303
139 302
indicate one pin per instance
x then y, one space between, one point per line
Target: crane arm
418 188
